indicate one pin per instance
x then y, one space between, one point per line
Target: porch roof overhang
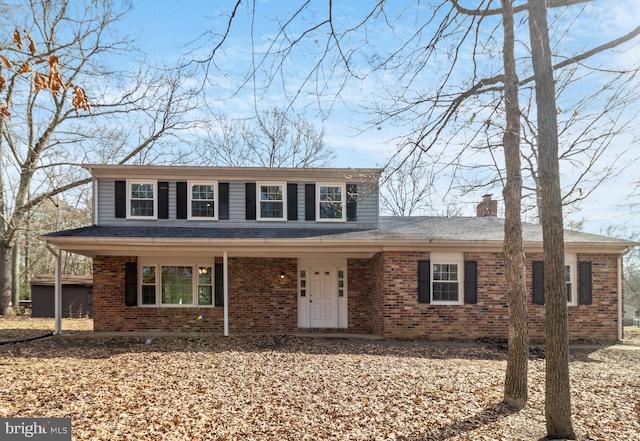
140 240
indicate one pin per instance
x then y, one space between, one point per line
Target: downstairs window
176 285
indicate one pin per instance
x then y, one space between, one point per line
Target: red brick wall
360 290
259 301
111 313
382 300
403 316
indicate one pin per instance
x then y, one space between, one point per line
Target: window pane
330 203
567 278
202 191
202 209
204 275
271 202
330 210
330 194
445 291
141 208
272 210
202 200
142 191
445 272
148 294
177 285
205 295
148 275
271 193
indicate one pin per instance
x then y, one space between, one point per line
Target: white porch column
57 290
225 290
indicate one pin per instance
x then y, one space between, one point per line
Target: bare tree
43 137
557 384
271 139
449 92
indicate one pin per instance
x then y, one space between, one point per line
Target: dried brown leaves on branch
50 80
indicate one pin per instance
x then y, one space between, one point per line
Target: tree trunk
15 277
515 384
6 306
558 393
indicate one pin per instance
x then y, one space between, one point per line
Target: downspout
57 290
620 291
225 290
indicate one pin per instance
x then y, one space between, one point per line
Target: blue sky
165 30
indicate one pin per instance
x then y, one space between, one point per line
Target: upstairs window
331 202
271 201
142 201
202 200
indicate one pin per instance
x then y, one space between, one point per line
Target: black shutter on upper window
471 282
121 199
219 284
537 269
250 200
223 200
424 281
310 202
131 284
163 200
584 287
181 200
352 202
292 202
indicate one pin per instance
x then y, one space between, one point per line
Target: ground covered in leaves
289 388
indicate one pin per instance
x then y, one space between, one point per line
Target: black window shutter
310 202
163 200
223 200
352 202
219 285
424 281
181 200
131 284
471 282
121 199
250 200
537 268
584 287
292 202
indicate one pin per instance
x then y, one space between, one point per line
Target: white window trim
448 258
571 260
155 198
344 200
284 201
158 264
190 184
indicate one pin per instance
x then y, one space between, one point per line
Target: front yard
287 388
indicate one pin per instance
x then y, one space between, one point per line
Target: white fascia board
234 173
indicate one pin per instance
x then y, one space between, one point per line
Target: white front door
323 298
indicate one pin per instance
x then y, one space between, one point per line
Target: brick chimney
488 207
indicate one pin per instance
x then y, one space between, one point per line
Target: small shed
77 296
630 313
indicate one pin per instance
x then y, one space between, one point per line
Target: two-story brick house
281 250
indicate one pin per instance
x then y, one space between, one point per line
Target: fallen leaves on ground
293 388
